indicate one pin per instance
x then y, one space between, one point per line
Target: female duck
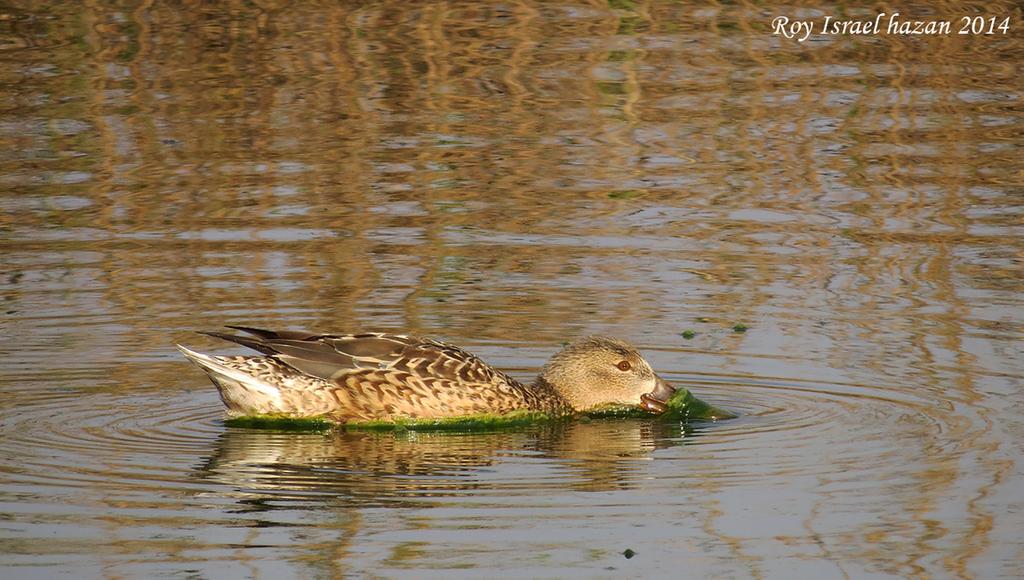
384 377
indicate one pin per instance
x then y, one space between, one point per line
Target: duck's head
597 371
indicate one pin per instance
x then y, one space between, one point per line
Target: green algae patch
683 406
483 422
616 412
281 423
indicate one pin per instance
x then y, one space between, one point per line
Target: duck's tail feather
246 341
275 334
241 392
260 338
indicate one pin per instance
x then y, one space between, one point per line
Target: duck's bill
656 401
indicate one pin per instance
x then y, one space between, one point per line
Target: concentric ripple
767 405
90 440
789 429
105 440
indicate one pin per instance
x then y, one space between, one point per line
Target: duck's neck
542 396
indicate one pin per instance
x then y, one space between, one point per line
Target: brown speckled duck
384 377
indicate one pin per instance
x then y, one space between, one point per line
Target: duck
375 376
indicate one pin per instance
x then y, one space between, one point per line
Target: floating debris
625 194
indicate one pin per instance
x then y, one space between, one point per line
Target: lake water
507 177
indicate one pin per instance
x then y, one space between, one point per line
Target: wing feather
332 356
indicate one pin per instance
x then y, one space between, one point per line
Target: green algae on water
281 423
682 406
481 422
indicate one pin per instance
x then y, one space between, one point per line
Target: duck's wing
330 356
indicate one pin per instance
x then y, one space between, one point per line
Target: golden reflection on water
510 176
377 467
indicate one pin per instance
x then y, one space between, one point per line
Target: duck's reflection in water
409 466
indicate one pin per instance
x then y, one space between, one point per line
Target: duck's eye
624 365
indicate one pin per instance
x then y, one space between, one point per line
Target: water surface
508 177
